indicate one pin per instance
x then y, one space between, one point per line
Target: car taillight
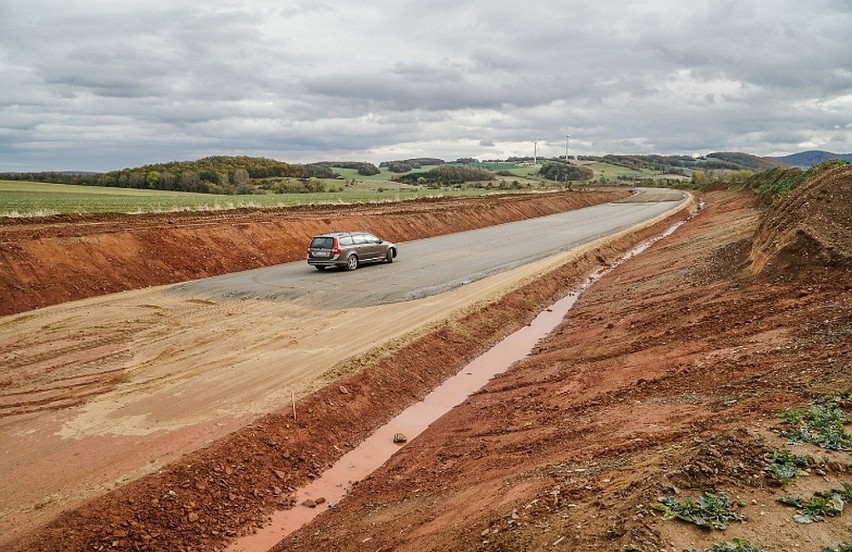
335 249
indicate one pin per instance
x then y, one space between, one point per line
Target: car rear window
322 242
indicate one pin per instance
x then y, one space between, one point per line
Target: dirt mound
68 257
665 380
809 229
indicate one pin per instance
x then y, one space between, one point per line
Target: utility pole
566 158
535 152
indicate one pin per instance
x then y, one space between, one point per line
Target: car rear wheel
390 255
352 262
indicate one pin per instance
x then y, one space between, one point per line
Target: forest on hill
247 175
812 157
676 164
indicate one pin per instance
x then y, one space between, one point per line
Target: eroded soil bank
665 380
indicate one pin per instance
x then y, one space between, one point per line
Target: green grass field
23 199
608 172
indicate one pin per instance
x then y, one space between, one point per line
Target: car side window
374 239
345 240
360 239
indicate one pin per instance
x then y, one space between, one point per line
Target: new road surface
430 266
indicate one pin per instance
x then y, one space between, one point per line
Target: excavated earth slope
808 233
665 379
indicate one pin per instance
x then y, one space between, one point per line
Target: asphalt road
434 265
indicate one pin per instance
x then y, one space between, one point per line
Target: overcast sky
101 85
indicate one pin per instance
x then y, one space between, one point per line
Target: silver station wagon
348 250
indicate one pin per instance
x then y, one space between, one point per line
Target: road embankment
50 260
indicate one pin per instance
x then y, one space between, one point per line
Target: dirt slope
665 380
808 233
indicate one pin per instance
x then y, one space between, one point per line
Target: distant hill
676 164
744 160
812 157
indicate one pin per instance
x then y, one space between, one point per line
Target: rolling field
25 199
607 171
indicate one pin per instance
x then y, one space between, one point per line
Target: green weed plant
820 506
784 465
822 424
712 511
735 545
841 547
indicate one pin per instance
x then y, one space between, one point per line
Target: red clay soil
665 379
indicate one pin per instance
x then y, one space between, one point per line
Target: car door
363 247
375 245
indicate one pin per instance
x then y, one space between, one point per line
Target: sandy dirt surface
98 392
665 379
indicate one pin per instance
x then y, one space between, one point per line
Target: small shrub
822 424
842 547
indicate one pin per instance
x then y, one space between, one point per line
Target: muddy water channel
332 486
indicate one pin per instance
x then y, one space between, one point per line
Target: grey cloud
300 81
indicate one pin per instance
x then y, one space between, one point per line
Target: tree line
406 165
215 175
674 164
363 168
559 171
447 175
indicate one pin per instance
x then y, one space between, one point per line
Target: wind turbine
566 146
535 151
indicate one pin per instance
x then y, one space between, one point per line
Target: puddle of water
360 462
